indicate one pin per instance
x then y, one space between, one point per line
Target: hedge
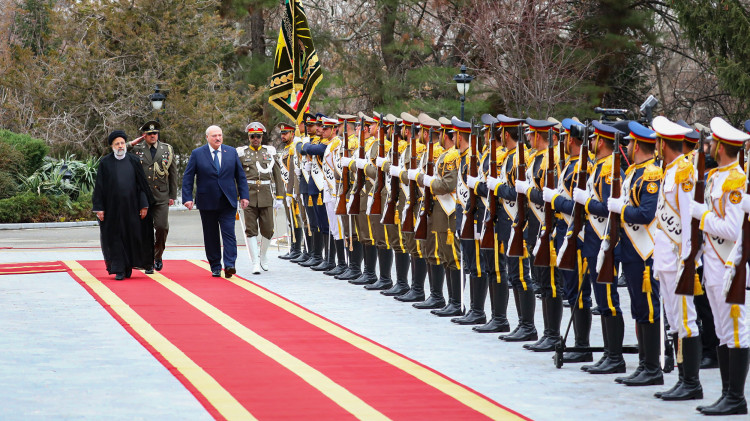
30 207
33 150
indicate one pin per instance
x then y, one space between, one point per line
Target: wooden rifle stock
736 292
488 229
516 246
468 228
686 283
544 254
389 213
341 205
377 202
407 225
569 258
354 205
420 231
607 271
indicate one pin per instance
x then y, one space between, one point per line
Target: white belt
259 182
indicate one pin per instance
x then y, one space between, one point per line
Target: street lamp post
157 100
463 81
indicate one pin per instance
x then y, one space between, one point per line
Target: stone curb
37 225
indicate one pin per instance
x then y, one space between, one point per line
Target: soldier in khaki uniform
354 249
262 170
291 207
157 158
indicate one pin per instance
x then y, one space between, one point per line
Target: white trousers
680 309
729 320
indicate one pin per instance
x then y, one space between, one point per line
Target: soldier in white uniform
332 172
721 215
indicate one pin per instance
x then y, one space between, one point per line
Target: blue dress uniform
306 187
517 269
598 190
637 208
315 150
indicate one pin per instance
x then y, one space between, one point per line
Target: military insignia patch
450 166
652 187
735 197
687 186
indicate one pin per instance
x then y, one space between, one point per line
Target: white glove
580 196
745 203
412 174
522 186
308 166
427 179
297 171
278 203
615 205
361 162
289 201
345 161
697 209
395 171
492 183
548 194
472 181
379 162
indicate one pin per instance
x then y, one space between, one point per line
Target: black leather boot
436 275
341 257
478 294
734 400
545 332
722 355
517 300
651 343
317 252
329 262
582 328
368 274
402 276
526 329
499 303
615 332
418 275
305 255
385 262
677 345
641 357
554 318
603 358
354 270
453 308
689 385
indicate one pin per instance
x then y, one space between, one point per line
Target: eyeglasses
256 136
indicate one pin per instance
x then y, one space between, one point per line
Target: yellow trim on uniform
552 203
703 219
476 253
646 288
452 242
520 270
419 249
609 300
582 268
437 257
369 226
387 243
586 206
685 317
735 314
400 237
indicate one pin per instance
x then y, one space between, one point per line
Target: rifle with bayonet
607 269
516 246
543 256
407 224
354 197
686 282
468 227
377 201
568 258
490 218
341 205
389 213
420 231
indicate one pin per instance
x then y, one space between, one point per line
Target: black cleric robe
121 191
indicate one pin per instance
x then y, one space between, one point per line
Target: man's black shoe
228 272
158 265
119 277
216 273
149 271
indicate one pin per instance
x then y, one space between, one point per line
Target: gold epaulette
402 144
502 153
420 149
606 168
452 159
684 171
591 156
353 142
734 181
334 143
315 140
437 150
652 173
369 141
388 144
530 156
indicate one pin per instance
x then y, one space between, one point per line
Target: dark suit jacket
210 185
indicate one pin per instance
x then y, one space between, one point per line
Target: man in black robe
121 202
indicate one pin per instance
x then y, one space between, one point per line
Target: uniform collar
675 162
643 164
256 150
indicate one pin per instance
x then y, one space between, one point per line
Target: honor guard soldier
594 199
354 251
291 206
411 128
331 166
156 158
262 172
637 209
547 278
576 286
719 217
672 237
303 175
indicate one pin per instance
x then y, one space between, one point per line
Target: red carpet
33 267
247 353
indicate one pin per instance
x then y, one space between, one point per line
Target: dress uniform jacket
160 174
262 171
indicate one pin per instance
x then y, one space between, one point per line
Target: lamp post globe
157 99
463 82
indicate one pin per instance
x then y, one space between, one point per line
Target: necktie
153 152
216 160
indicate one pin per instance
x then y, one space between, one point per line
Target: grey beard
119 153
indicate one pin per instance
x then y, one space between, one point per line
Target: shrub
30 207
32 149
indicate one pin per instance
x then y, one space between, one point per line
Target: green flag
296 69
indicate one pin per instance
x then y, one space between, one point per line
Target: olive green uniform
262 171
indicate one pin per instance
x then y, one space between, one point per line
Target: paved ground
64 357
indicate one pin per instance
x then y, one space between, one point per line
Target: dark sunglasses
256 136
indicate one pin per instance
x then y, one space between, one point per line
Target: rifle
568 260
341 205
468 227
354 198
488 227
607 269
686 283
420 231
516 246
407 225
389 213
544 254
736 292
377 202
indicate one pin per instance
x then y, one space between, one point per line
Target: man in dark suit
218 174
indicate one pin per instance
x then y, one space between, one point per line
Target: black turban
115 134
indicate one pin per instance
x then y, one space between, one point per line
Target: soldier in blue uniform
306 187
576 286
637 207
594 198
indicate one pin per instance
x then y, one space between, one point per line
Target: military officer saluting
262 171
157 158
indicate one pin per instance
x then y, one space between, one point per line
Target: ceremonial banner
296 69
